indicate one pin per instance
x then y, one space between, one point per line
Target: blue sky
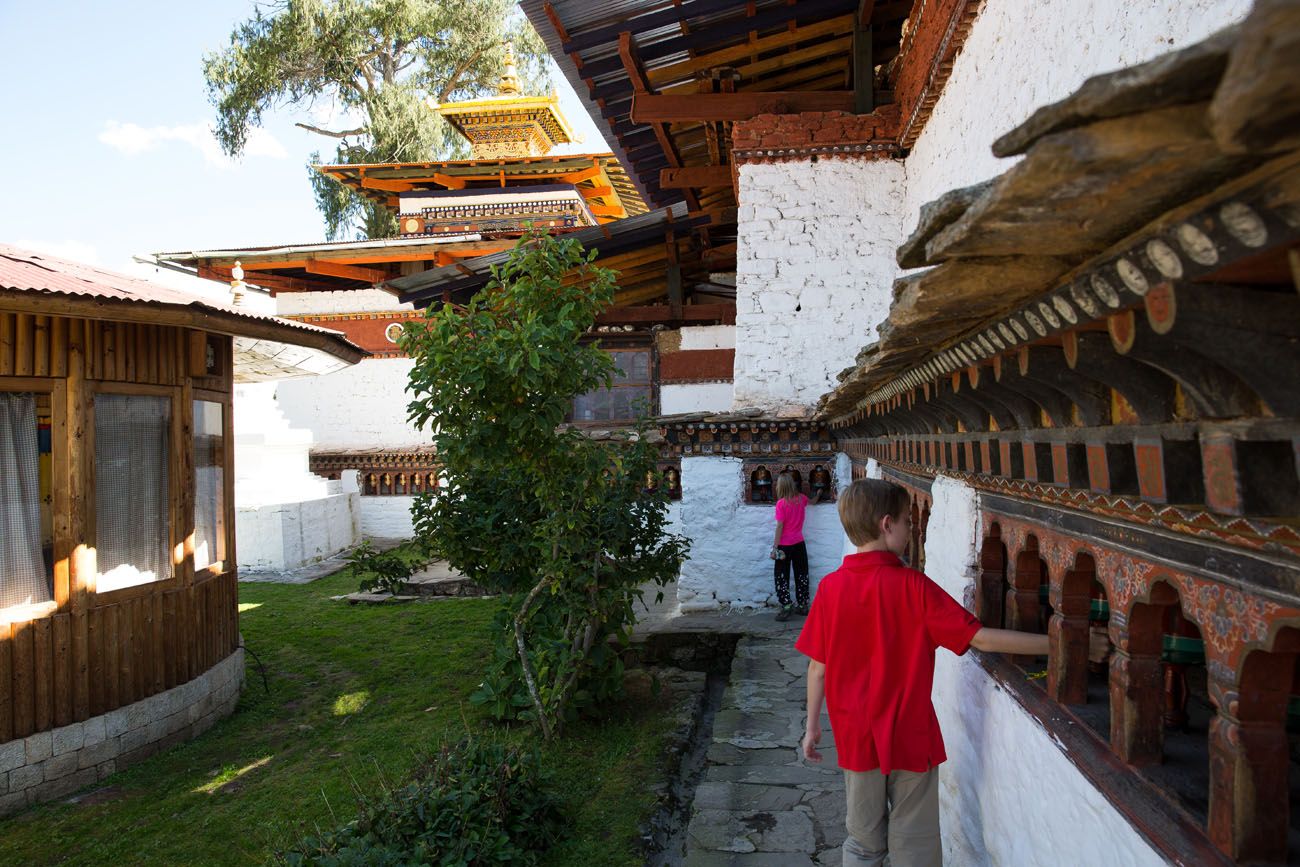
106 144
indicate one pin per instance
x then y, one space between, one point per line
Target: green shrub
379 571
469 805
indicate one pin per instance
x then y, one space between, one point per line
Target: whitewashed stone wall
359 407
386 517
285 515
815 257
814 272
695 397
277 537
1023 54
730 540
347 301
52 764
1007 794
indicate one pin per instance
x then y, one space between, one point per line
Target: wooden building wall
89 652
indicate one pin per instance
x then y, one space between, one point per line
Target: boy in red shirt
870 639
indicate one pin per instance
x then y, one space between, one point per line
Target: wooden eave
669 82
589 172
1126 162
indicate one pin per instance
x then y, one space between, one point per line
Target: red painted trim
697 365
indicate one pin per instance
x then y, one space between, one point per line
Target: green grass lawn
356 692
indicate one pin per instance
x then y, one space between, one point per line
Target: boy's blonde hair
865 503
785 486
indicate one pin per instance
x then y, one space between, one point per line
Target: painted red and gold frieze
377 333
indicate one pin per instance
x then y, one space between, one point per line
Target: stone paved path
758 804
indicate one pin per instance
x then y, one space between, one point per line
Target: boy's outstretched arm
1033 644
1009 641
816 692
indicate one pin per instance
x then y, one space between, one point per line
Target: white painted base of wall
728 563
1007 794
279 537
386 517
52 764
695 397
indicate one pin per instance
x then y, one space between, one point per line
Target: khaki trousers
892 819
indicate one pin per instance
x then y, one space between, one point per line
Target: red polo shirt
875 625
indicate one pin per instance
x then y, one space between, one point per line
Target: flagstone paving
758 804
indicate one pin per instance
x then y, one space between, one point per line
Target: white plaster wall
359 407
728 564
695 397
277 537
814 273
347 301
1008 795
1023 54
708 337
386 517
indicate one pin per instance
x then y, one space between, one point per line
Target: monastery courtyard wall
815 271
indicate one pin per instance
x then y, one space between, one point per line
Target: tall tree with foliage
378 62
563 525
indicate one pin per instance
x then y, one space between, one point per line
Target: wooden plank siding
87 653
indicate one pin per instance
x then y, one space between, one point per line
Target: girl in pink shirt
788 547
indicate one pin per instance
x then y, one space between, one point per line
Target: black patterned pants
796 555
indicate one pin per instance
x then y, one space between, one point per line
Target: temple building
1037 263
455 219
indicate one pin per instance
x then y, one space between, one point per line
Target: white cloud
132 140
77 251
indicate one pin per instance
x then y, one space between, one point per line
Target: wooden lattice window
628 396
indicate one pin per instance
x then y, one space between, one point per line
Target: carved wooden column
1022 607
1249 760
1067 666
1137 732
1022 594
989 587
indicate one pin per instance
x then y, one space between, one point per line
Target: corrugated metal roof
38 273
189 256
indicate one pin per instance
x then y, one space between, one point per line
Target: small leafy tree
562 525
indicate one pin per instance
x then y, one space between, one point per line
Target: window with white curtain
24 570
132 507
209 484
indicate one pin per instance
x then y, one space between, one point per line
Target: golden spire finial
510 78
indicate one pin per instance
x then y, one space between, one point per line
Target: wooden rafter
640 84
841 26
722 258
387 185
704 107
714 33
661 313
695 176
347 272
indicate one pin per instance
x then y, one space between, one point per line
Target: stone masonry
759 804
52 764
814 274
